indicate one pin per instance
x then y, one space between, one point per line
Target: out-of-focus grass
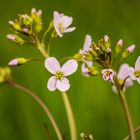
97 109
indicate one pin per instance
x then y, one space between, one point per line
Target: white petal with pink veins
69 30
123 71
69 67
51 85
87 43
137 64
63 85
131 73
66 21
52 65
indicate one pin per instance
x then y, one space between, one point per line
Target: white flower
135 72
86 48
61 23
123 77
108 74
59 81
85 66
87 44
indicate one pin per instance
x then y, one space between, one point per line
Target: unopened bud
78 57
128 51
131 48
17 61
16 39
119 46
107 41
5 74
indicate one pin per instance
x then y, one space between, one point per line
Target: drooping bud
128 51
18 61
16 39
119 46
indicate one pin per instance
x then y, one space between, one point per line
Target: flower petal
52 65
137 64
66 21
56 21
69 30
63 85
69 67
87 43
114 89
123 71
131 73
138 80
51 85
128 82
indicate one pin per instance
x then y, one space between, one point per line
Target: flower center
59 75
137 73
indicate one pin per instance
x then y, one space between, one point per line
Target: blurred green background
96 108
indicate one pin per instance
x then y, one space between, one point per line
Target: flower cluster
98 58
26 27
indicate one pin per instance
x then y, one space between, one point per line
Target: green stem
46 32
41 103
42 50
49 45
136 130
126 109
70 116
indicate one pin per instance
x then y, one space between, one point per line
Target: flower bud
15 26
119 46
18 61
128 51
93 71
16 39
5 74
78 57
107 41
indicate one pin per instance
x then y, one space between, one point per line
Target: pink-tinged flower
59 80
123 77
86 46
131 48
85 68
61 23
108 74
135 72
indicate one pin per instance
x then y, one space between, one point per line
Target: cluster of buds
86 136
5 74
26 27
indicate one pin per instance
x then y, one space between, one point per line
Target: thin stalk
70 116
41 103
136 130
126 109
49 45
42 49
